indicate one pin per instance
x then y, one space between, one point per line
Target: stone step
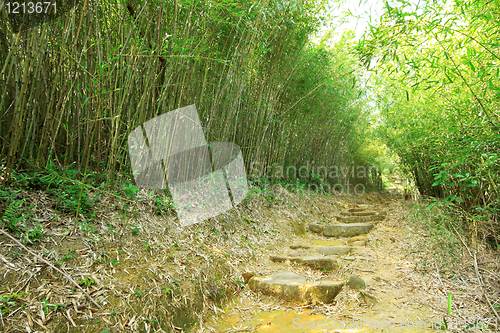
299 246
360 240
364 213
332 250
355 219
316 262
354 210
366 207
346 229
341 229
317 228
328 249
293 287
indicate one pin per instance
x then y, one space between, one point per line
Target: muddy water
281 321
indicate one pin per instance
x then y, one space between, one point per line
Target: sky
359 18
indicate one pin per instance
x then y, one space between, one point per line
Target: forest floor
145 273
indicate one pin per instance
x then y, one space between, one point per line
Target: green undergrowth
70 192
314 184
441 232
67 192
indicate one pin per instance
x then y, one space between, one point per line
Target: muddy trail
357 267
280 262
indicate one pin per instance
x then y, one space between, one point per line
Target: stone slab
359 238
371 218
364 213
313 261
360 219
317 228
348 219
333 250
353 210
299 246
346 229
293 287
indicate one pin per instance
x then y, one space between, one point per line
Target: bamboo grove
75 87
437 90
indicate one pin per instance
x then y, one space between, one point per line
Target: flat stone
348 219
295 288
313 227
281 258
360 219
346 229
355 282
299 246
353 210
371 218
288 277
364 213
366 207
332 250
316 262
321 263
358 243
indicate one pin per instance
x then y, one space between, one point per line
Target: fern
13 215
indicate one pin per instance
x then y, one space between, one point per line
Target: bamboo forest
249 166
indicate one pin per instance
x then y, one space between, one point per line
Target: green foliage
86 281
16 219
13 215
164 205
135 229
436 87
62 183
54 307
73 199
130 191
8 302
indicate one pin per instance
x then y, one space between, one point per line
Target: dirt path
305 270
397 298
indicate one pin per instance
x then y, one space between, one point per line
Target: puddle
282 321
